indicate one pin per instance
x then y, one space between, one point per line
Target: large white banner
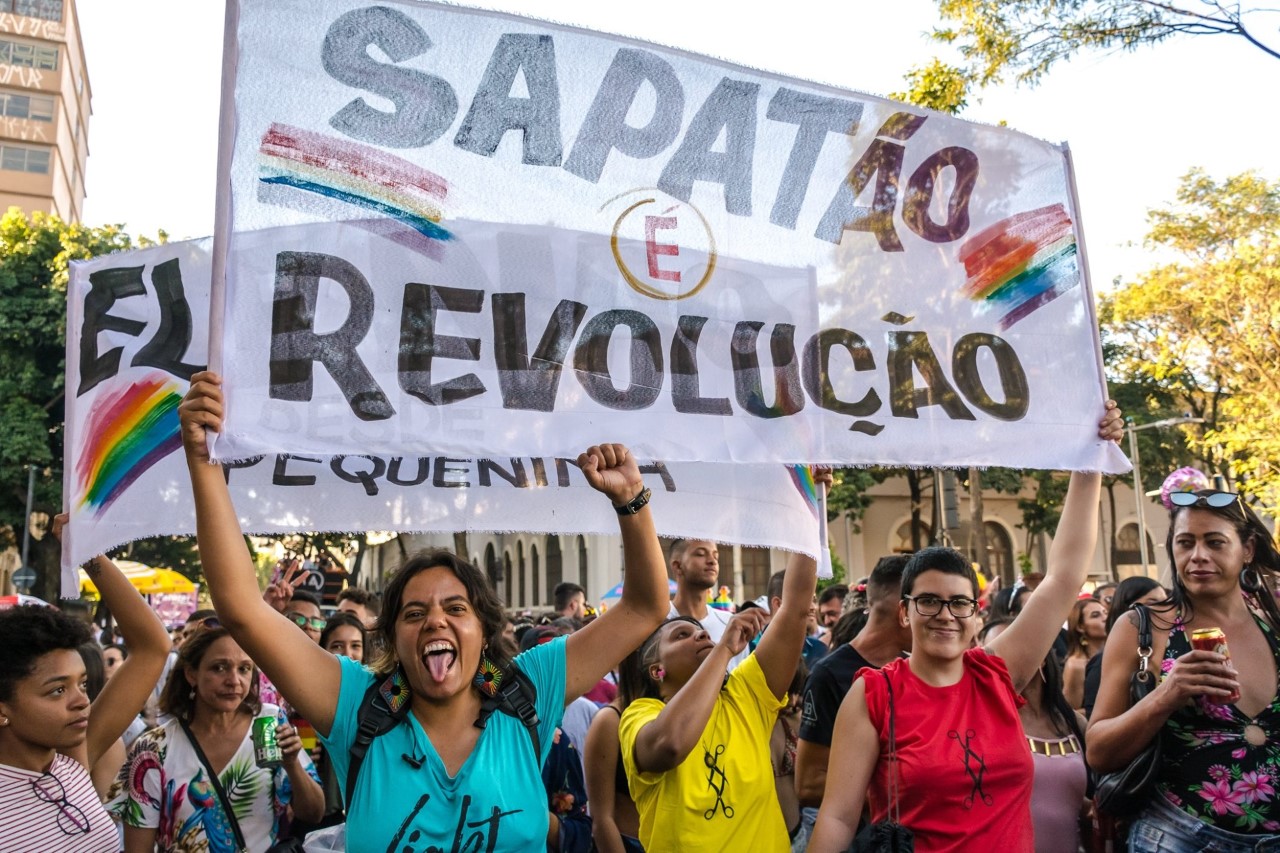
492 235
136 332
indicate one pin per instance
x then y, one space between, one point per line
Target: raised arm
780 647
601 645
852 764
599 769
125 694
666 741
307 675
1024 644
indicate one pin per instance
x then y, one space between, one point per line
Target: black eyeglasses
303 622
71 819
1214 499
931 605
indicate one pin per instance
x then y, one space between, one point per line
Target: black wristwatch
636 504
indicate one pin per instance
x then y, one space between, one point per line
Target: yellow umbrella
145 579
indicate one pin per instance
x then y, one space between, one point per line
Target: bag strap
1144 675
217 787
517 696
386 704
895 811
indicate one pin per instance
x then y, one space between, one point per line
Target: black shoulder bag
889 835
223 801
1126 792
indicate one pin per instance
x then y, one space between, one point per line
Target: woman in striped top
49 733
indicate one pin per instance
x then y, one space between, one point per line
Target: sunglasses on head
1213 499
304 622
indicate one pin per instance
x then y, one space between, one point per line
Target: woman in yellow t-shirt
696 747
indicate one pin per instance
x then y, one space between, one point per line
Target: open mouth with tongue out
439 657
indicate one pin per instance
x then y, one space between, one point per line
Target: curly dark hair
29 632
485 602
176 699
1266 560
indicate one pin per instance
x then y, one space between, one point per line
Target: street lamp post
1133 430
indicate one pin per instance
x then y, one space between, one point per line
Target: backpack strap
518 696
386 704
383 707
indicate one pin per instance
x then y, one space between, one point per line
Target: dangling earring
1084 643
488 676
192 694
1249 579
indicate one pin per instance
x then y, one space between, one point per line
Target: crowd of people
425 718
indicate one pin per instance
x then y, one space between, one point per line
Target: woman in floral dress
164 794
1218 718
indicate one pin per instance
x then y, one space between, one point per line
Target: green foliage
1023 39
1041 513
168 552
1200 333
849 494
35 253
937 86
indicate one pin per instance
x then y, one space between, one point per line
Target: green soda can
266 749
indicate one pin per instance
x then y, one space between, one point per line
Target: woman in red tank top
964 769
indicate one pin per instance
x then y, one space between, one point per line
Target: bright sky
1135 122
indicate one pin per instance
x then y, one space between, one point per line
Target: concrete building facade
44 108
525 568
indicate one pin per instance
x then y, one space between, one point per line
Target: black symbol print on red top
974 765
716 781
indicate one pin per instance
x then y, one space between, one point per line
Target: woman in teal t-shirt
437 780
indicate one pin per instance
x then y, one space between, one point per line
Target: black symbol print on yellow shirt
974 765
716 781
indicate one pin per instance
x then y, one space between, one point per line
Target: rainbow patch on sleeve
129 431
802 479
333 170
1022 263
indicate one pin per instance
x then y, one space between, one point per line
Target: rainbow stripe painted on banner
802 479
343 171
1022 263
129 431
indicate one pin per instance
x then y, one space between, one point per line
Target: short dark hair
564 593
886 578
29 632
95 671
337 621
199 616
1101 588
836 590
177 698
949 561
307 596
777 581
368 600
485 602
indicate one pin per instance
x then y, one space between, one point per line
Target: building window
756 564
24 158
582 565
555 567
28 55
34 107
45 10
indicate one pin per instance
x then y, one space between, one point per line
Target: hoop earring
1254 583
488 679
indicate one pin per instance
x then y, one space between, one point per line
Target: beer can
1214 640
266 749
